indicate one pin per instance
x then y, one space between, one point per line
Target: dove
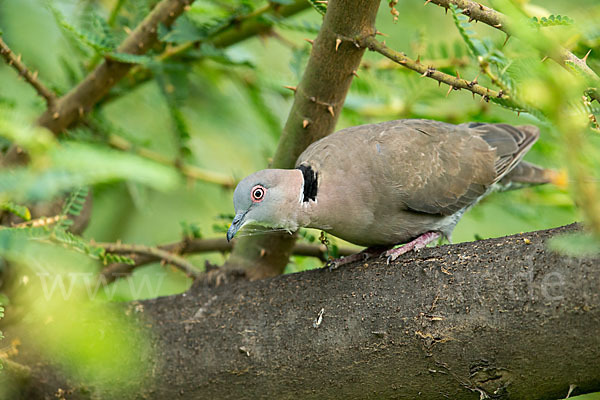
398 182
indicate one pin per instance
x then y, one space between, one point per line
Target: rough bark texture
503 318
317 105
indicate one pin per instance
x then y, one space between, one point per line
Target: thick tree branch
80 100
318 102
501 318
455 82
192 246
31 78
499 21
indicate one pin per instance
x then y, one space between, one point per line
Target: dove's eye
258 193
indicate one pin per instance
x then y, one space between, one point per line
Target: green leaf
72 208
552 20
191 230
78 164
95 35
20 211
75 202
476 46
182 31
320 7
110 258
94 164
33 138
219 55
577 245
292 25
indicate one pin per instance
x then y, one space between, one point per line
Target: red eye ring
257 194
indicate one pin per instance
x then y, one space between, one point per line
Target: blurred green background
222 110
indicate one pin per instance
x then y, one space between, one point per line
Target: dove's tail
525 174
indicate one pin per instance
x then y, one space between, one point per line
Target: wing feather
421 165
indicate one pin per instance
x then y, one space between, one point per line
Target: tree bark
503 318
318 102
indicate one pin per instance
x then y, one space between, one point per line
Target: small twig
453 81
31 78
189 171
155 253
195 246
435 63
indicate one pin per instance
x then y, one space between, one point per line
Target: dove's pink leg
416 244
367 253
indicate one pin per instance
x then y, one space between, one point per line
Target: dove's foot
367 253
416 245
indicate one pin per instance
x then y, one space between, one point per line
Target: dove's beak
236 224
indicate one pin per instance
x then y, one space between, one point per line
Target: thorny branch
80 100
455 82
31 78
191 246
499 21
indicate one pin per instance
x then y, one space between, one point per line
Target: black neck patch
310 182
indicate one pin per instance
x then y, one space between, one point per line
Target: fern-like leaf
190 230
72 208
111 258
476 46
552 20
319 6
96 35
20 211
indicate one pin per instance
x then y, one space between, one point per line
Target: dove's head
271 197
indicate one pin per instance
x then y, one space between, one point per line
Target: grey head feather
279 207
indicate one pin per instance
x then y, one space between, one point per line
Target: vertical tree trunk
317 105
